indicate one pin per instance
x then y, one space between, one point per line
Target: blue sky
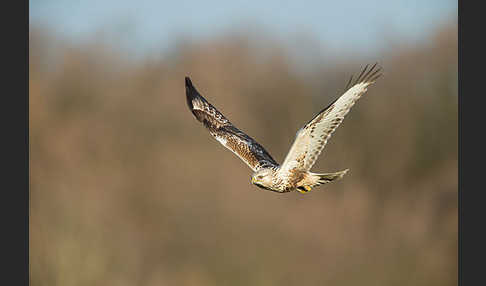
149 25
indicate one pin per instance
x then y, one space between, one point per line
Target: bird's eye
260 177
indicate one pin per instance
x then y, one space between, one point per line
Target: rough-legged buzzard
294 173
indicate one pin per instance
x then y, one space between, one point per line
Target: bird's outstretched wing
245 147
311 139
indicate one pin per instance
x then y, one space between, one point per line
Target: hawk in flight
294 173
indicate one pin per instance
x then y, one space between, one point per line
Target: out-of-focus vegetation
128 189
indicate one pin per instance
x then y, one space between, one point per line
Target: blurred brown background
128 189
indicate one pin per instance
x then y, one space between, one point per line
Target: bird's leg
304 189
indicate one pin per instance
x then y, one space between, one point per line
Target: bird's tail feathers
325 178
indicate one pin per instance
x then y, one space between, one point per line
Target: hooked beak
253 180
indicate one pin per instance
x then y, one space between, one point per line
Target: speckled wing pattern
245 147
311 139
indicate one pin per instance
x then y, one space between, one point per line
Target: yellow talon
307 189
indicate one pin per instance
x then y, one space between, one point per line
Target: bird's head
263 178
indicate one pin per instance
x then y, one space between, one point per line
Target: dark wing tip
193 97
368 75
188 82
191 93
